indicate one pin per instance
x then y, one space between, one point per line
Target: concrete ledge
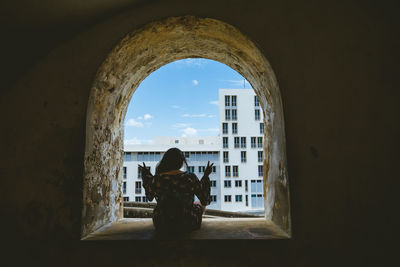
217 228
145 210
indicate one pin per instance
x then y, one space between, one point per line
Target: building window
256 186
213 198
125 172
260 156
235 171
176 141
236 142
126 199
260 170
228 198
246 186
227 114
253 142
243 142
259 186
228 171
259 141
145 199
140 172
138 187
127 156
234 98
201 168
213 183
224 128
247 200
214 169
256 102
234 114
201 142
238 183
261 128
226 156
138 199
238 198
148 156
190 169
257 200
227 101
234 128
257 114
253 186
243 156
124 188
224 142
215 156
227 183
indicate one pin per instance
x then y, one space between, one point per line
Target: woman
174 192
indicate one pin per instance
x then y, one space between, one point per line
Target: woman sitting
174 192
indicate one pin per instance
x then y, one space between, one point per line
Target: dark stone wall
337 67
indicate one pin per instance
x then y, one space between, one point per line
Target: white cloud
194 115
214 102
195 82
136 141
189 132
211 116
147 116
134 123
175 106
140 118
180 125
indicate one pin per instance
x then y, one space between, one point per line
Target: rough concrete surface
211 228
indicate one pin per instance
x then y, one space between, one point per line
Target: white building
237 154
198 151
242 131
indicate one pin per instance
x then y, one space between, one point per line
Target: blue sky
179 99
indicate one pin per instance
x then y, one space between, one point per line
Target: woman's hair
173 159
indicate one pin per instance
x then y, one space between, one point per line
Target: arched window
131 61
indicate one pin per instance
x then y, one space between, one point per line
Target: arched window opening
184 104
131 61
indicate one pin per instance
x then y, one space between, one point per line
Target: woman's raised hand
145 171
208 169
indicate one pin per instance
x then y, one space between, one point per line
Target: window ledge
211 228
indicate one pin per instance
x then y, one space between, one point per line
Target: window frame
235 173
234 128
257 115
227 171
243 156
225 130
225 142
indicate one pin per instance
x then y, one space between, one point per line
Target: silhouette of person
174 192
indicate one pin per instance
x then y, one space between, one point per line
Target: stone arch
129 63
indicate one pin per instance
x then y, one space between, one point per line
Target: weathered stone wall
336 64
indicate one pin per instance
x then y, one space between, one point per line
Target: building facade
237 154
242 133
198 151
